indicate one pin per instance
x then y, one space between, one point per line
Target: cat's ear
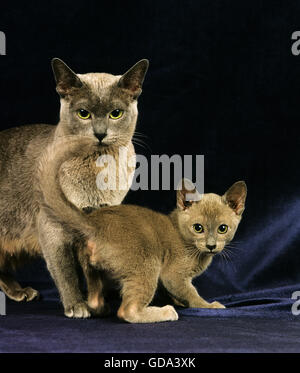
186 194
66 80
133 79
235 197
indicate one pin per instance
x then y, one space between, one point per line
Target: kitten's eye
198 228
223 228
116 114
83 114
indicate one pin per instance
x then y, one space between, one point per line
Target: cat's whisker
236 243
194 253
139 134
224 256
142 143
227 254
232 248
223 261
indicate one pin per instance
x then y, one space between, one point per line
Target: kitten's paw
169 313
147 314
101 311
78 311
216 305
26 294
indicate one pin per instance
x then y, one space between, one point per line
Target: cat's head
99 105
209 221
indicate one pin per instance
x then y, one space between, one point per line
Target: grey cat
97 106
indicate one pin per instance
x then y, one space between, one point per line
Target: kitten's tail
50 192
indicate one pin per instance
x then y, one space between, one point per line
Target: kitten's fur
25 230
138 246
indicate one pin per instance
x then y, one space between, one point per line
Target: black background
222 82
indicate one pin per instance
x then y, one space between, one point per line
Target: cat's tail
51 195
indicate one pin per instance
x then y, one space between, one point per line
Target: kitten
138 246
96 106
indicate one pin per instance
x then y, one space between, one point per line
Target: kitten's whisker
227 254
194 253
234 243
223 261
233 248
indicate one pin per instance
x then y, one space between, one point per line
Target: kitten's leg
14 290
137 293
96 301
57 245
182 289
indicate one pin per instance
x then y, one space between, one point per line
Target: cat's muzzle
100 136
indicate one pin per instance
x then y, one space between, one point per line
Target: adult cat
138 246
98 106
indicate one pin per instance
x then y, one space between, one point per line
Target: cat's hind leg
137 293
14 290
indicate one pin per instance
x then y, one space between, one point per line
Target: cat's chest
98 179
199 265
202 264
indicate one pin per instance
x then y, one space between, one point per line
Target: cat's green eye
223 228
198 228
83 114
116 114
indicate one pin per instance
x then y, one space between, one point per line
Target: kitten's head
209 221
98 104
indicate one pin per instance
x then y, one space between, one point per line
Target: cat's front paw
27 294
78 311
216 304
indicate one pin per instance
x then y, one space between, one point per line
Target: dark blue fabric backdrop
222 82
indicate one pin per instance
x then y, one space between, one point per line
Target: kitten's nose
100 136
211 247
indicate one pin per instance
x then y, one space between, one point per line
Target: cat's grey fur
25 229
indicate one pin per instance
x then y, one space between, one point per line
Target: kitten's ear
235 197
186 194
66 79
133 79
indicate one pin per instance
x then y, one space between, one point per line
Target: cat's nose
211 247
100 136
